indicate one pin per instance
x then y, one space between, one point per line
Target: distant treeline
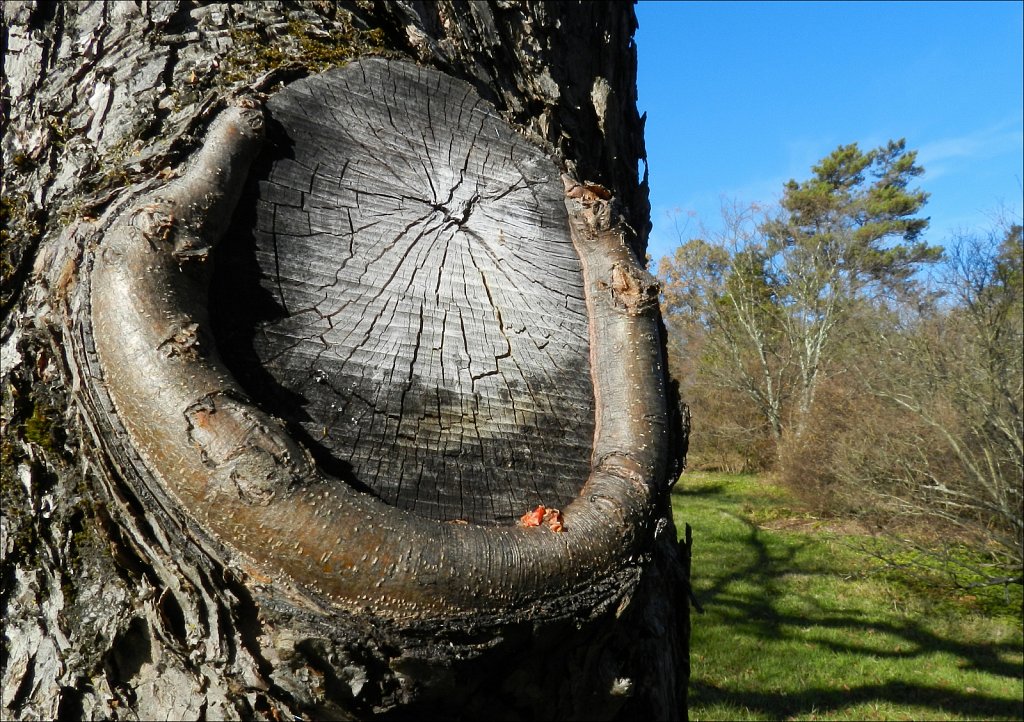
877 375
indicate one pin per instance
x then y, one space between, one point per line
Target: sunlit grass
794 628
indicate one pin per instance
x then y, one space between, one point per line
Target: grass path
794 629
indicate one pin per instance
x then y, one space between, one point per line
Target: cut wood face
401 287
251 486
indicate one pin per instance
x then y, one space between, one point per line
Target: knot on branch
183 343
256 460
154 221
634 290
597 203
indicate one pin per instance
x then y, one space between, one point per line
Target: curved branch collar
241 477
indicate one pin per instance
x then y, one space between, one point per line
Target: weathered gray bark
445 355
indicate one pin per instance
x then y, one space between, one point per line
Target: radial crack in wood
401 287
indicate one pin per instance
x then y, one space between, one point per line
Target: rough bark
145 572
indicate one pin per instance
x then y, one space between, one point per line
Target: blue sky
741 97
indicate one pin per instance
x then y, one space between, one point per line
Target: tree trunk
332 384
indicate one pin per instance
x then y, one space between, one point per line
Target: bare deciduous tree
956 374
776 288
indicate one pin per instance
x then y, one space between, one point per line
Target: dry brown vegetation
874 391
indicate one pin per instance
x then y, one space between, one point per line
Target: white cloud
943 156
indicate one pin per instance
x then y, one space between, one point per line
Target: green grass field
799 624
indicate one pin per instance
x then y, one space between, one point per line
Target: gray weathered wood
427 328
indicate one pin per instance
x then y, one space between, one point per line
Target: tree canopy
776 285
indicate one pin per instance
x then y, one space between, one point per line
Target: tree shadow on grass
715 490
747 599
818 700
